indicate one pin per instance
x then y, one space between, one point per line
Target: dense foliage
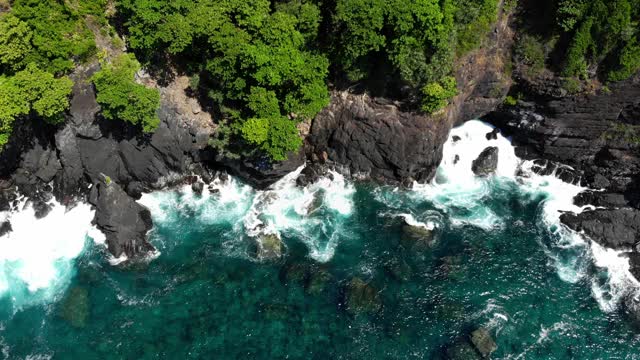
590 38
120 97
265 64
40 41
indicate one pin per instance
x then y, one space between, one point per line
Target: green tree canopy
120 97
32 90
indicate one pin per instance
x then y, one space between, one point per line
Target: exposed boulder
614 228
5 228
135 189
197 187
493 135
462 349
634 268
124 222
486 163
41 208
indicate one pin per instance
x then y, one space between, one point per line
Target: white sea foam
313 214
37 257
286 209
456 190
456 187
411 220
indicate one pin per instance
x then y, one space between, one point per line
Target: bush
276 136
572 85
436 95
530 52
510 101
120 97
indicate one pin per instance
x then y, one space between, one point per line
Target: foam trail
37 257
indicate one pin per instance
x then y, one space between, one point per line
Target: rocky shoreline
579 138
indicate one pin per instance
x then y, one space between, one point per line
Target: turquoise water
496 261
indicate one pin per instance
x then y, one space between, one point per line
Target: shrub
436 95
530 52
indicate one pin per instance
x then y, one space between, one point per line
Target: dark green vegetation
585 39
122 98
264 65
41 42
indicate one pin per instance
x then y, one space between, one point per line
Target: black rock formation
124 222
486 163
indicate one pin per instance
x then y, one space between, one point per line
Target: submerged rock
362 297
483 342
486 163
461 349
75 307
416 237
270 247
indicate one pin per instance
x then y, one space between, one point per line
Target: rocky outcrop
124 222
5 228
365 137
260 172
591 140
486 163
376 138
614 228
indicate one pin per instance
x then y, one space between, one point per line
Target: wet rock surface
124 222
586 140
486 163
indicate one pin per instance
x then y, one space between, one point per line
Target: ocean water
352 283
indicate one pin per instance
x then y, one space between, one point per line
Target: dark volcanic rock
584 132
634 262
41 208
486 163
614 228
197 187
261 173
135 189
493 135
124 222
363 137
5 228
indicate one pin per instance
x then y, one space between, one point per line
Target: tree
120 97
32 90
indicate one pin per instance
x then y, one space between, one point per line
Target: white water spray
456 187
37 257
